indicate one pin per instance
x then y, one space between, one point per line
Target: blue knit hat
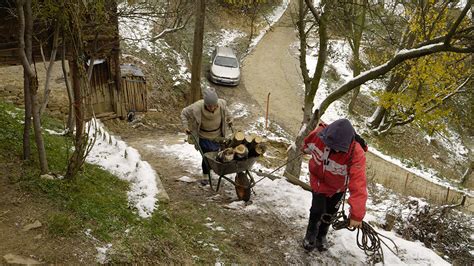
338 135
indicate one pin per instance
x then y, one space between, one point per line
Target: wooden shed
104 96
134 89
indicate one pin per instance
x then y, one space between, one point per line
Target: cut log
257 150
257 139
249 139
252 141
237 139
225 155
241 152
294 180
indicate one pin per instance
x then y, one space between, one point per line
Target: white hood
225 72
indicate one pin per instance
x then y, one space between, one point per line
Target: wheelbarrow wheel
242 187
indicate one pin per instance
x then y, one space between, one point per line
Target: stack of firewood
242 146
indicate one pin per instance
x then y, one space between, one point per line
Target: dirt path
257 237
273 67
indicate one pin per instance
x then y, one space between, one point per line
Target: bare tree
320 18
168 16
197 51
25 20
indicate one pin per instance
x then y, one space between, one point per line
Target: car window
226 61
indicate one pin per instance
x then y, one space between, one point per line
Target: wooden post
447 195
406 182
266 113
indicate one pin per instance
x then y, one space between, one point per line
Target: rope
367 238
279 167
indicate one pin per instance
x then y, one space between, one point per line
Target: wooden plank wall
102 98
99 93
134 94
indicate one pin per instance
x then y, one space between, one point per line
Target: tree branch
21 38
313 10
400 57
456 24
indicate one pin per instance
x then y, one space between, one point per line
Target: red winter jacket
331 178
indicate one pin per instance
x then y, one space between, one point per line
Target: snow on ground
238 110
291 203
453 143
224 38
138 32
117 157
338 109
274 17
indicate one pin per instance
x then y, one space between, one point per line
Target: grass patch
96 201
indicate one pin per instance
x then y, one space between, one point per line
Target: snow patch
117 157
274 17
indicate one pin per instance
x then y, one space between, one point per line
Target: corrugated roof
131 70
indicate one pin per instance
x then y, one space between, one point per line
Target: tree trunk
52 59
77 157
293 168
27 125
308 101
395 81
70 116
197 51
355 72
467 174
26 81
25 19
33 81
358 26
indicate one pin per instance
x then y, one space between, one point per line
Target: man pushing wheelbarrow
206 123
206 120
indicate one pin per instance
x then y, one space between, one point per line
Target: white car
225 67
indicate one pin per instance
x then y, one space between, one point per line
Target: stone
47 176
34 225
17 259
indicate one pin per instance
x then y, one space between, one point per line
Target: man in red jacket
337 163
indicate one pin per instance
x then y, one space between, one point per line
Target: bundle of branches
241 146
441 228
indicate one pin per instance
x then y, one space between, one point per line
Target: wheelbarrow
243 182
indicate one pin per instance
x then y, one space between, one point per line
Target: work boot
205 180
321 241
322 244
309 241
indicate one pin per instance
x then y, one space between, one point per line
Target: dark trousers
320 205
207 146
